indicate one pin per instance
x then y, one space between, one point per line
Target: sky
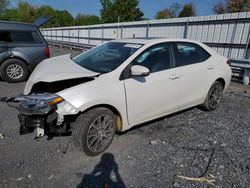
149 7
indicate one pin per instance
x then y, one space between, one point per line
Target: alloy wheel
215 96
100 133
14 71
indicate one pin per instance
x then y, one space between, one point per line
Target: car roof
16 25
153 40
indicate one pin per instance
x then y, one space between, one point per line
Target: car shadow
104 175
159 119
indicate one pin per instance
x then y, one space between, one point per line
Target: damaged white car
118 85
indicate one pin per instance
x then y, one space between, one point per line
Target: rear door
157 94
196 69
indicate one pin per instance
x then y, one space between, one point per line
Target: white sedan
118 85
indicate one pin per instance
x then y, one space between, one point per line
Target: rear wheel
14 70
94 131
214 96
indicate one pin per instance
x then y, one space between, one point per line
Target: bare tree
238 5
171 12
188 10
220 8
228 6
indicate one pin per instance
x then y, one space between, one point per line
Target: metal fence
228 34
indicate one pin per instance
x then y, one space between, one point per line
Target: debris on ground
19 179
51 177
154 142
210 180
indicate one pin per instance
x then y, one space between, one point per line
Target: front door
157 94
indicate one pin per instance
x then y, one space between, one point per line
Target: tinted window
26 37
5 36
156 58
105 58
188 53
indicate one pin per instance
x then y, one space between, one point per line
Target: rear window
20 37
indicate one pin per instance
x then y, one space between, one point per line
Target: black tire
214 97
20 76
87 130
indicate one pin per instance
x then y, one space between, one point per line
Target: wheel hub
14 71
101 132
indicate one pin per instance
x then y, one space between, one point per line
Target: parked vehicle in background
22 47
118 85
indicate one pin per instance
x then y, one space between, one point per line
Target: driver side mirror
138 70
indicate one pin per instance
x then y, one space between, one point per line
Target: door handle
174 76
209 67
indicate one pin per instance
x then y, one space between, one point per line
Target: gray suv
22 47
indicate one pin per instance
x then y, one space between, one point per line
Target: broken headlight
39 103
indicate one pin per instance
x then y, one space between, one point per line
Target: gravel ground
193 143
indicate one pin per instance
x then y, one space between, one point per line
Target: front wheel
214 96
94 131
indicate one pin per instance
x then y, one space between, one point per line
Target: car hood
56 69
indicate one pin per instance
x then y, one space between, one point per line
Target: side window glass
156 58
26 37
5 36
188 53
36 37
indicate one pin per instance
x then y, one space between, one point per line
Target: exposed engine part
57 86
39 132
60 120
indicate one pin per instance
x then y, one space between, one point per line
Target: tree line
222 7
111 11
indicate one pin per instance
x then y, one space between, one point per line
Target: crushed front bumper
38 115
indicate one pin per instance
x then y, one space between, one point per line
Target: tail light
229 62
47 53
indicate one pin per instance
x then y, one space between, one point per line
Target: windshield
107 57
